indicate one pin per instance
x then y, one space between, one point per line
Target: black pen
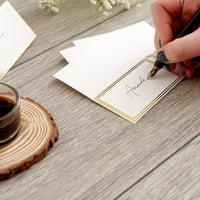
189 27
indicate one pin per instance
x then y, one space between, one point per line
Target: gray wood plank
99 155
177 178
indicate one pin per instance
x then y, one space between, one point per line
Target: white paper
135 37
113 72
96 68
15 37
132 95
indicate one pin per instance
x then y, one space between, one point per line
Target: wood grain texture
177 178
99 155
37 135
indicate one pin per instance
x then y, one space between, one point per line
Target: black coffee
6 105
10 124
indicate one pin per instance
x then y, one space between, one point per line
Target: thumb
181 49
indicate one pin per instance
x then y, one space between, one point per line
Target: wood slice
37 135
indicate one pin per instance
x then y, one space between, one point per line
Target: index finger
163 13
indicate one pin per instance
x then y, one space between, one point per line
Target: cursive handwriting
130 90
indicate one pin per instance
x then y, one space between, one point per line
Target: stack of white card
112 68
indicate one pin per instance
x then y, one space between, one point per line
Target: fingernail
168 67
161 57
184 73
183 63
159 43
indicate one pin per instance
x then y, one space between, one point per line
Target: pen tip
149 75
152 72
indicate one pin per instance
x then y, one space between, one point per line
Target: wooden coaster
37 135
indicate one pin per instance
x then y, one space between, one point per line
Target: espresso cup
10 116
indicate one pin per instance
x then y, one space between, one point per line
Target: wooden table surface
100 155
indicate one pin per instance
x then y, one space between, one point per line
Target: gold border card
111 69
15 37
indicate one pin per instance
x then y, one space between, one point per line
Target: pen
190 26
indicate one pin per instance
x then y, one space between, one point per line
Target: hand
169 16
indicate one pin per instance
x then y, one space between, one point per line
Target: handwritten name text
131 90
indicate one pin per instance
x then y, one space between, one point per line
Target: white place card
132 95
114 74
138 36
15 37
